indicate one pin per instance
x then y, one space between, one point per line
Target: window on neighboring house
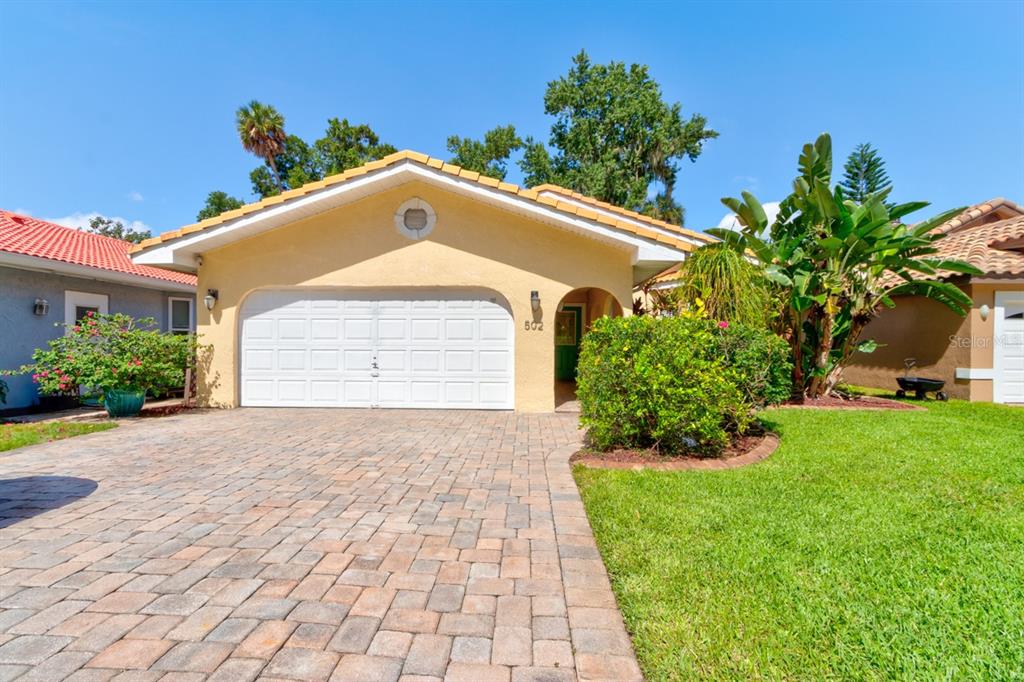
180 315
82 311
78 304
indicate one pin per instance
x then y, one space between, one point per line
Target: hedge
676 384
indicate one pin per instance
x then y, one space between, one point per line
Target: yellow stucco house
409 282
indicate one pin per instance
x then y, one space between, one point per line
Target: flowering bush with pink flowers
112 352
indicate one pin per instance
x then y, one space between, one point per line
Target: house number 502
533 326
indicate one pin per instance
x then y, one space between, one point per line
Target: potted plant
118 356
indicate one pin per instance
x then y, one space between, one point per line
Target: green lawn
18 435
871 545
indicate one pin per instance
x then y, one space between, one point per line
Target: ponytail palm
839 262
261 130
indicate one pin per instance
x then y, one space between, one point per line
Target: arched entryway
575 314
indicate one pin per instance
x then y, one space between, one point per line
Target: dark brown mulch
857 402
742 451
164 410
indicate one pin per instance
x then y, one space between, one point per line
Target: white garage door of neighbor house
1009 347
435 349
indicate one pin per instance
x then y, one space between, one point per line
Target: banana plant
839 263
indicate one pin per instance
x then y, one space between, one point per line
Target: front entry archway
576 312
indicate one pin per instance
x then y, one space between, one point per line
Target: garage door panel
425 361
459 392
358 329
258 359
459 330
325 360
292 329
332 348
495 361
392 360
358 360
391 329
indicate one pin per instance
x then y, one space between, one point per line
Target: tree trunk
796 341
273 167
819 382
849 348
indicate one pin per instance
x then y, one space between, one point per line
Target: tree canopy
488 157
837 262
342 146
116 230
615 137
261 131
218 202
864 174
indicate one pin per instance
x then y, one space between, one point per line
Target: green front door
568 330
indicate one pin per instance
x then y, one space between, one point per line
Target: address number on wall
533 326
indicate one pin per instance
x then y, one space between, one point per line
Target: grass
871 545
19 435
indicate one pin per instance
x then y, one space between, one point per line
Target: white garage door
439 349
1008 351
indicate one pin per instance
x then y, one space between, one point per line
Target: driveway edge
601 645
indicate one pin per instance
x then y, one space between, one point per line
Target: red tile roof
29 236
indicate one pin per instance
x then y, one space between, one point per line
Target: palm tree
261 130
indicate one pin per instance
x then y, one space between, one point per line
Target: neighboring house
980 357
51 274
409 282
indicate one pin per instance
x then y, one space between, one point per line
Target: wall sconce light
984 312
535 300
211 298
41 307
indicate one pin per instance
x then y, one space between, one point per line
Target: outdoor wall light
41 307
984 311
535 300
211 298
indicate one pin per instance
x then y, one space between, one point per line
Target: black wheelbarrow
919 386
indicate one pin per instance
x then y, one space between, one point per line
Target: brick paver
307 545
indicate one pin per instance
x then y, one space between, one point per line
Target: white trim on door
1006 347
191 314
73 299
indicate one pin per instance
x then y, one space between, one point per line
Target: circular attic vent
415 219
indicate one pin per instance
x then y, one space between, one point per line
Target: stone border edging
589 597
768 445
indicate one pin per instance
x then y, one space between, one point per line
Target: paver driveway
312 544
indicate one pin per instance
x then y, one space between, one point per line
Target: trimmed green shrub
760 360
658 382
678 383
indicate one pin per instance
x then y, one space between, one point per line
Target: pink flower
89 314
723 325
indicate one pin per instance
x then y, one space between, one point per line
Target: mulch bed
164 411
743 451
858 402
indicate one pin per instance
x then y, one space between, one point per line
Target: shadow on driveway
25 497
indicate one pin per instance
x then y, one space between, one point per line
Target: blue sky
127 109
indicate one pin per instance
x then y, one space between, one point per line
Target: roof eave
39 264
180 252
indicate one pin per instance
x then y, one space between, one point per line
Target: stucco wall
21 332
472 245
940 340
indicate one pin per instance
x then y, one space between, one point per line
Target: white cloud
730 222
135 196
80 221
